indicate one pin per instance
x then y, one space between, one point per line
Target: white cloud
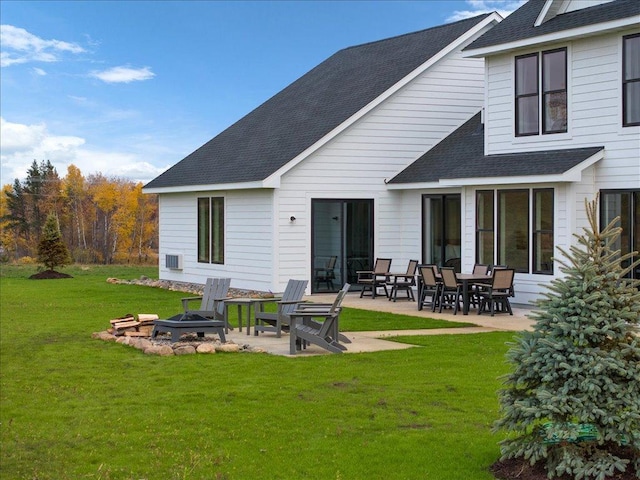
20 46
478 7
124 74
39 71
21 144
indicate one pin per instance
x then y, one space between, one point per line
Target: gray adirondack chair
210 318
305 329
274 321
212 299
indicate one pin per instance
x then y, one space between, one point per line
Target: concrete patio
374 341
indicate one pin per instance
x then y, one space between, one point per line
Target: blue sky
128 88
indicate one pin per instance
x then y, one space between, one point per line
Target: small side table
248 303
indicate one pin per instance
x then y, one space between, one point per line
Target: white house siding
595 110
595 119
249 234
355 164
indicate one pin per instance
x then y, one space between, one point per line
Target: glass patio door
441 230
343 230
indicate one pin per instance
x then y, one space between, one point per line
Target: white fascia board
206 188
542 17
274 178
563 35
415 186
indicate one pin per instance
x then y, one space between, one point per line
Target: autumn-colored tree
101 219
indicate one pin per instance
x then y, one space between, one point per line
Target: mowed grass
72 407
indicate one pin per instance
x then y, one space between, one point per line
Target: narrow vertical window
484 227
203 230
527 100
217 230
631 80
554 91
543 230
211 230
513 229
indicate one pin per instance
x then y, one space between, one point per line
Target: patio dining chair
429 294
371 280
326 275
498 293
476 287
451 291
405 281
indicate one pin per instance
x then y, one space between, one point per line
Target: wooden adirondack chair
304 329
211 302
273 322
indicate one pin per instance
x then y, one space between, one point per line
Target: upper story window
541 90
631 80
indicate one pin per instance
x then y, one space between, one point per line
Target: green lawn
72 407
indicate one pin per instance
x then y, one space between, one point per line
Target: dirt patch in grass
520 469
49 275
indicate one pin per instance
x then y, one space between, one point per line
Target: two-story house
301 179
472 142
561 123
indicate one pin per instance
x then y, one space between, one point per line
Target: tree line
102 220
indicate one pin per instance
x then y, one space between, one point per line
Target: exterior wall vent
173 261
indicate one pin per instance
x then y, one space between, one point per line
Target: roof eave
413 186
572 175
208 188
563 35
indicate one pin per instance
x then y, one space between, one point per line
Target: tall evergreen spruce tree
52 251
573 397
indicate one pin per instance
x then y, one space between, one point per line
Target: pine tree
52 251
572 399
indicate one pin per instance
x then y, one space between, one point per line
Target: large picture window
553 100
211 230
631 80
524 236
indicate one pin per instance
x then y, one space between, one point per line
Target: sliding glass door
341 242
441 230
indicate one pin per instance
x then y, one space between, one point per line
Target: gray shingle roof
297 117
461 155
520 24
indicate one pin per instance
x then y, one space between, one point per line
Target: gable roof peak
296 120
540 21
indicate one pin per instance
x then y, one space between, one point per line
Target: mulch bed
49 275
520 469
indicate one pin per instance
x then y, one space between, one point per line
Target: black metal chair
496 296
377 278
429 294
451 291
405 281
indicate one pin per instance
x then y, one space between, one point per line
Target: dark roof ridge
520 25
424 30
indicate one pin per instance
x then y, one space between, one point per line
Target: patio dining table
466 279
